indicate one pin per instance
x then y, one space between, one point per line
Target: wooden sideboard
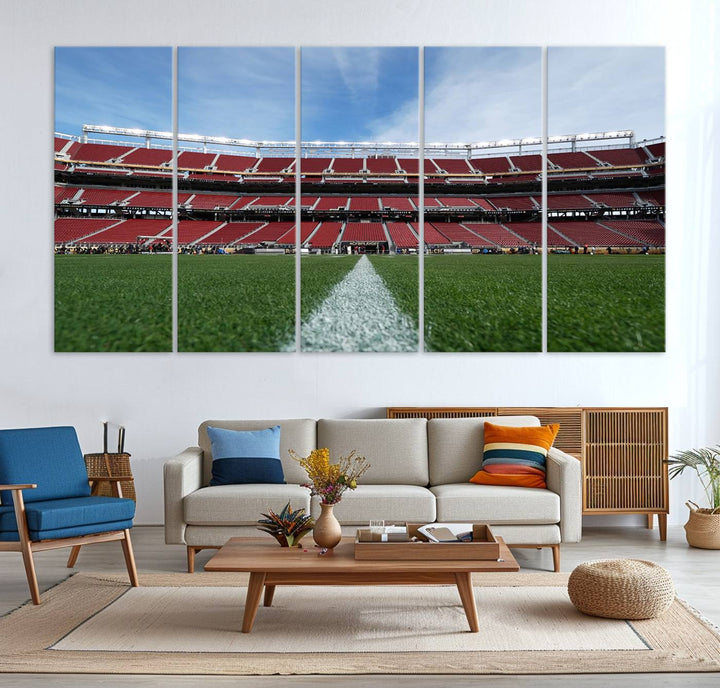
622 451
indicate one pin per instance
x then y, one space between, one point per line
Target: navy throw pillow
245 456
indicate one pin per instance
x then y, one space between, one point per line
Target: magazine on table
447 532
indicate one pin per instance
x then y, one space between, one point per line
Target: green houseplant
703 527
288 527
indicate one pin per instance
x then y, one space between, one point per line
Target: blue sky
363 94
244 93
120 87
360 94
482 94
607 88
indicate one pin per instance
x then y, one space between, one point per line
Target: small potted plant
288 527
703 527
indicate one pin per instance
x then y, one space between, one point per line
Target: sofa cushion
245 456
395 449
548 534
86 514
496 504
73 531
51 458
382 502
227 505
295 433
515 456
455 445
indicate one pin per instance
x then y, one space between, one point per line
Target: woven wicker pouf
621 589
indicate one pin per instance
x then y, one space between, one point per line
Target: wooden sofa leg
30 572
72 559
556 558
191 559
129 559
26 545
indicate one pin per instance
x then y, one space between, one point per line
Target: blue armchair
45 499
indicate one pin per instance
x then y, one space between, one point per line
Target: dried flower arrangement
329 480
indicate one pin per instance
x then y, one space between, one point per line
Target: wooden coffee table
270 565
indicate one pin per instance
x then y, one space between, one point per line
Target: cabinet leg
662 523
650 521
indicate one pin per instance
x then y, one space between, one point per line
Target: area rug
189 624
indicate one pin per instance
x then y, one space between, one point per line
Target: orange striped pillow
515 456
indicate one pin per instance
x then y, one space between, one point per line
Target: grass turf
400 274
236 303
606 303
482 303
472 303
318 275
113 303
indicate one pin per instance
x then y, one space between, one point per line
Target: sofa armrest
564 477
181 475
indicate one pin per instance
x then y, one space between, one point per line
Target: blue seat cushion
45 518
76 531
51 458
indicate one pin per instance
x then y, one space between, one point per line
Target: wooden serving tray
483 547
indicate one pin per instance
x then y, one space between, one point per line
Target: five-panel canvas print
444 199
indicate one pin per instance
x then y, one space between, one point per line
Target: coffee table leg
252 601
467 597
269 592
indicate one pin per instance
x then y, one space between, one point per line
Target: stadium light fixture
437 147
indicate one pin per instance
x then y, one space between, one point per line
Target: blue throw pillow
250 456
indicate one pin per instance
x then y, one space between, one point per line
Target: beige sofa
419 472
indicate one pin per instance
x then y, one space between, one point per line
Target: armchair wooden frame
26 546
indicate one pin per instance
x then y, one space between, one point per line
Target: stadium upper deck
479 199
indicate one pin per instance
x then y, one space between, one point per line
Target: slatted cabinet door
624 469
622 452
440 412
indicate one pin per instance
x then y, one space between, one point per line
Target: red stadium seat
325 235
364 232
647 232
230 233
457 233
402 235
74 228
497 234
148 156
332 203
365 203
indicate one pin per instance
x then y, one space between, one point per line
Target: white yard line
360 314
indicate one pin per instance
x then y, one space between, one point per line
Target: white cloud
607 88
481 94
359 69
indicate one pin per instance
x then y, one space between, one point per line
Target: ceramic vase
326 532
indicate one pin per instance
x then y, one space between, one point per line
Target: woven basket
621 589
109 466
703 527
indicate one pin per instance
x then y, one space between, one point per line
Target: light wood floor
696 574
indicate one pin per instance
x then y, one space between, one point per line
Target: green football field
113 303
247 303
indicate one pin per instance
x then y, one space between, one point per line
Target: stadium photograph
390 257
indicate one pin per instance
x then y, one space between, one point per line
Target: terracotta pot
327 532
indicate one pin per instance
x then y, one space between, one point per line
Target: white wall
161 398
